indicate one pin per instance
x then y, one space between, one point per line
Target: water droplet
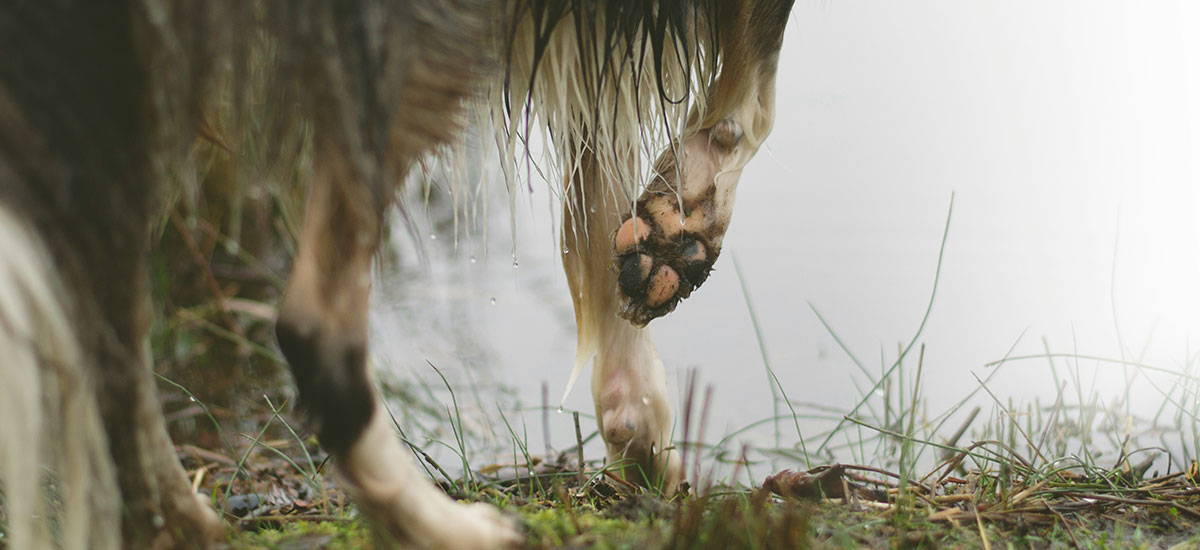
515 264
192 399
566 250
473 260
433 236
493 301
158 522
560 409
645 399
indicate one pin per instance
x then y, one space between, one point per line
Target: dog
100 100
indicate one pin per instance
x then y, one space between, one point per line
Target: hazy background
1069 131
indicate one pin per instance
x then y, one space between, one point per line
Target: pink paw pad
657 268
631 233
665 247
663 286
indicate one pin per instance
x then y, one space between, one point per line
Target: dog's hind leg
75 313
162 510
629 384
49 418
82 166
666 248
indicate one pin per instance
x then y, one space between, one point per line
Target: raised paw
665 249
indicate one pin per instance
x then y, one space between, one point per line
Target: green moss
325 535
584 527
749 521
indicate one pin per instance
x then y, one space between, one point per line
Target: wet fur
100 101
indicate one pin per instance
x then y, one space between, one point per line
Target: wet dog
98 101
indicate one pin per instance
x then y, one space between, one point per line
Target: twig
987 545
199 478
962 429
546 417
1066 526
578 447
298 517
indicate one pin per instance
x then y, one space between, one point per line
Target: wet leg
666 247
322 330
628 380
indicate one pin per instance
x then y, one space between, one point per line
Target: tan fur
49 421
601 162
629 384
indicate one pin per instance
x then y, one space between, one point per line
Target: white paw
477 527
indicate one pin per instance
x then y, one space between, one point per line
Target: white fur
641 126
387 485
54 460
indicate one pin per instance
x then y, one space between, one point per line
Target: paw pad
666 247
658 264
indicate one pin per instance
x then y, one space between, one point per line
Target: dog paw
478 526
666 247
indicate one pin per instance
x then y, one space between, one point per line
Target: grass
604 517
884 472
1031 477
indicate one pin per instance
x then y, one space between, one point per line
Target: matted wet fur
100 100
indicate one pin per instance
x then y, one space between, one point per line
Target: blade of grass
762 348
920 329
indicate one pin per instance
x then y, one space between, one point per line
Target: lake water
1069 134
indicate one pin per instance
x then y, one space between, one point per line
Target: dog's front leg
628 380
322 330
666 248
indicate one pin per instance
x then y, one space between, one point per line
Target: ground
275 502
1029 479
